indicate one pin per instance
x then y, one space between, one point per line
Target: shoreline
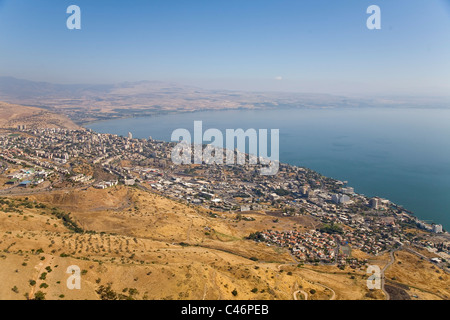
409 211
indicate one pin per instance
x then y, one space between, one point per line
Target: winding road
383 276
295 294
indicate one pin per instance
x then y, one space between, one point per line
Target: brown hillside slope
144 246
12 115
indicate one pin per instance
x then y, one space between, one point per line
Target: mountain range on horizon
92 102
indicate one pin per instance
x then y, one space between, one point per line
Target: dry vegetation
418 277
12 115
139 245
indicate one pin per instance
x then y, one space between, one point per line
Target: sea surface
399 154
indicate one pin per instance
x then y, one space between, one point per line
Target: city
60 158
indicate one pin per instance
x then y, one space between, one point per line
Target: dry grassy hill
144 246
12 115
418 277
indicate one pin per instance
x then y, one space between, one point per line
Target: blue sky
277 45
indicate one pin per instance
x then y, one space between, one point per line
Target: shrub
39 295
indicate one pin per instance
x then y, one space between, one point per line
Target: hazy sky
280 45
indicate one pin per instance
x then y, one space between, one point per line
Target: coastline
406 208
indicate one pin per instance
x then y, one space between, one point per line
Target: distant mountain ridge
85 103
18 88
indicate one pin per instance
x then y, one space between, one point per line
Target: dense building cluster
372 225
309 246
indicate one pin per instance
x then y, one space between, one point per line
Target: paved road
383 276
19 191
440 265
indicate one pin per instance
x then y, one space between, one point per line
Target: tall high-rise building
375 203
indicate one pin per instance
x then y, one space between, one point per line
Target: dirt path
333 297
295 294
188 235
205 291
302 292
39 267
216 285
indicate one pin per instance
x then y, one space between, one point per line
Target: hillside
12 115
139 245
143 246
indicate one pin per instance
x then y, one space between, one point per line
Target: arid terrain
140 245
12 115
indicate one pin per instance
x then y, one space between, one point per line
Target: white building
437 228
129 182
340 198
436 260
348 190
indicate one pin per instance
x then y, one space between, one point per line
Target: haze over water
399 154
